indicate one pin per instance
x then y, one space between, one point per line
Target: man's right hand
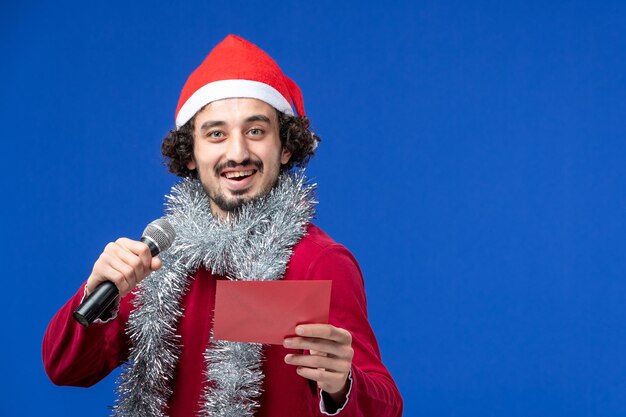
125 263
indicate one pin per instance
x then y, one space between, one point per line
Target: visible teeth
237 174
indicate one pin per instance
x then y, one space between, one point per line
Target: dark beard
224 204
234 204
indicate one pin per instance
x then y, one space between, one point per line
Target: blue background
472 160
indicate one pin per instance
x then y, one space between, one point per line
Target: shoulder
317 251
316 238
319 257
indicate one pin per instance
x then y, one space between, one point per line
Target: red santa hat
238 68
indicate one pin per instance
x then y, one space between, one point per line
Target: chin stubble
233 204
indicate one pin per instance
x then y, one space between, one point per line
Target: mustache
232 164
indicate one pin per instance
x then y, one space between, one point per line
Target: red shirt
78 356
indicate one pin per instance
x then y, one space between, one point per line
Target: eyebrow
255 118
211 123
258 118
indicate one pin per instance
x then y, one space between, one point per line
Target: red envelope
268 311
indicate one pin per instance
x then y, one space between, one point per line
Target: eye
215 134
255 131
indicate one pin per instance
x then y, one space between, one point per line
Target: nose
237 148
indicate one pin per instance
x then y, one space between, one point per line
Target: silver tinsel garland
255 244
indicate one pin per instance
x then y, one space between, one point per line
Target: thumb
155 263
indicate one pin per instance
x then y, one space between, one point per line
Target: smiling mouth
239 175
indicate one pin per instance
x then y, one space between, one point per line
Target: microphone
159 236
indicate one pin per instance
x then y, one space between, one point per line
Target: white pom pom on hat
236 68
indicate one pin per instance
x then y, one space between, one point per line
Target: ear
285 155
191 164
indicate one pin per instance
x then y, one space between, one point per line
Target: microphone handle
99 301
96 303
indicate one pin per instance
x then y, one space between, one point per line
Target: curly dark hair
295 136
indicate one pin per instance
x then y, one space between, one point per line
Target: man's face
237 151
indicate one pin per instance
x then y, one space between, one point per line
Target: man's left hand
330 360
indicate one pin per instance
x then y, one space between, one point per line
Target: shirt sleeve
373 391
336 408
78 356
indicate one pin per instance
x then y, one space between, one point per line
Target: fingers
327 363
330 382
330 374
122 272
320 346
324 331
139 249
330 357
156 263
323 338
125 263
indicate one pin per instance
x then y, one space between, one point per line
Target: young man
241 213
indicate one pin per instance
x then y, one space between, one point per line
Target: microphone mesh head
161 232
